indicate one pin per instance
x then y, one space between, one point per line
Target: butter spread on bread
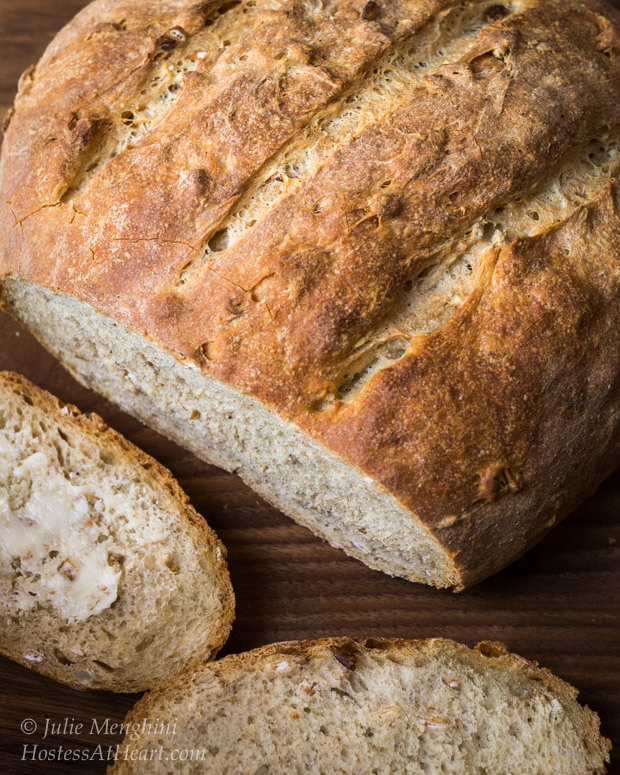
363 254
108 577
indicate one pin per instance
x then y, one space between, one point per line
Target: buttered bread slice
108 577
363 254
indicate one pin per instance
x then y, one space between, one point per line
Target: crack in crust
462 164
380 89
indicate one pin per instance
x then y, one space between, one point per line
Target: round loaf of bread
365 254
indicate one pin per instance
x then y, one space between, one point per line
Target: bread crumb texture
108 578
368 707
374 243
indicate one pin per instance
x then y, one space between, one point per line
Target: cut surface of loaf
376 707
364 254
108 577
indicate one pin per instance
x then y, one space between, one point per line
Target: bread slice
109 579
364 254
369 707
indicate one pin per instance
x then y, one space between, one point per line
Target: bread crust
489 430
486 655
109 441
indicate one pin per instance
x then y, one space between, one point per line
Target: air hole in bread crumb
219 241
495 13
488 231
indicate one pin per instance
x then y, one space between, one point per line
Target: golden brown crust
515 399
491 429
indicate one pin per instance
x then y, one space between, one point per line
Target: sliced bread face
109 579
361 707
385 232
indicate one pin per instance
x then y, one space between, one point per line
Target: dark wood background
559 605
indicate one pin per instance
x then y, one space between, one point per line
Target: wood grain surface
559 605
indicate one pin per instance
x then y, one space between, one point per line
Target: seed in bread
366 707
363 254
108 577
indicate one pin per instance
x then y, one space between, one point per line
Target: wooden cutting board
559 605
